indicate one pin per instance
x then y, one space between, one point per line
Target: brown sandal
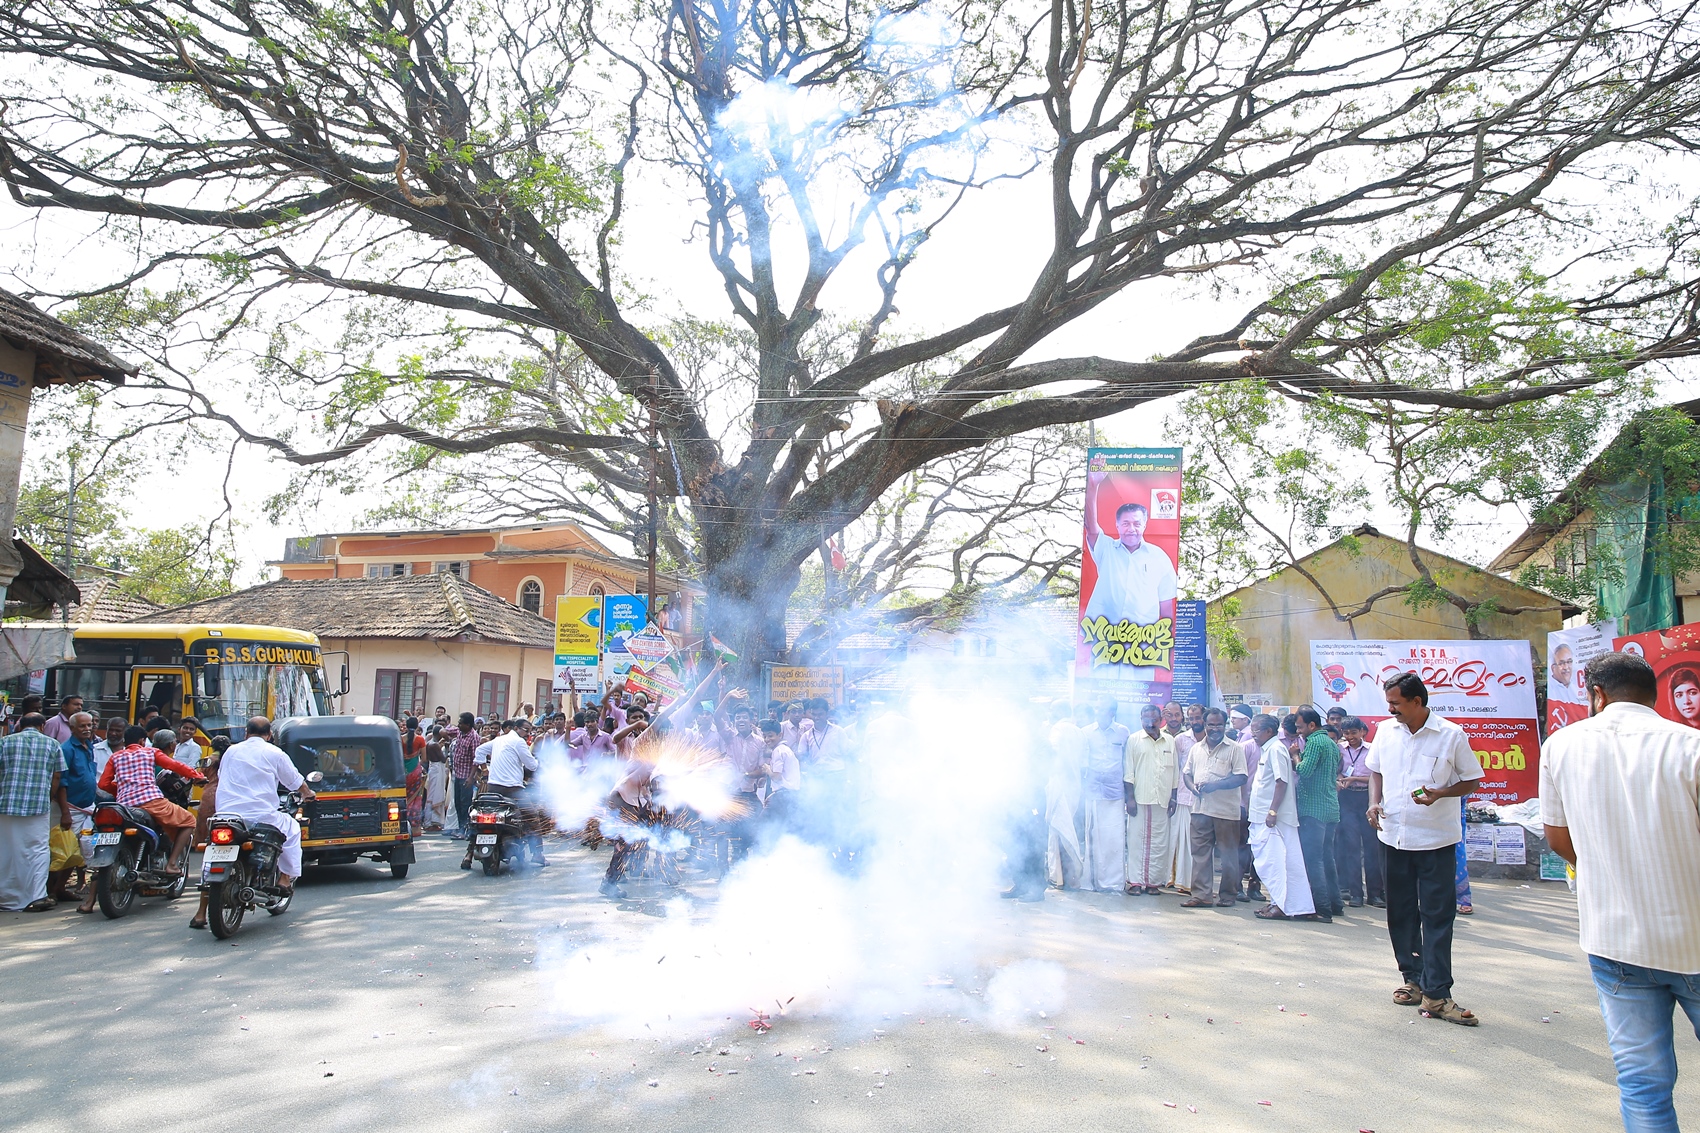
1198 903
1408 994
1271 913
1449 1010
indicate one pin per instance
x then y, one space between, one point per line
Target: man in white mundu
249 776
1106 825
1064 862
1274 817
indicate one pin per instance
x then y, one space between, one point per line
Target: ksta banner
1485 687
1126 640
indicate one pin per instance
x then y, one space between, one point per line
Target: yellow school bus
219 674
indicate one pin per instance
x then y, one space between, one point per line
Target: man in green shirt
1319 812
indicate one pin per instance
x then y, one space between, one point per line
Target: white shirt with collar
1437 755
510 759
1627 785
249 776
1274 765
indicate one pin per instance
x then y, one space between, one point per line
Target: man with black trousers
1420 769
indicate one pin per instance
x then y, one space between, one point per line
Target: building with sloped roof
413 642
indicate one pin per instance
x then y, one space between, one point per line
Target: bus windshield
226 695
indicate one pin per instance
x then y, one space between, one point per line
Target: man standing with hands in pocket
1419 768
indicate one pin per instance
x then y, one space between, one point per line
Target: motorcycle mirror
316 777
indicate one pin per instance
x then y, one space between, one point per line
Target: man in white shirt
1136 580
1420 767
1104 804
1274 832
784 775
1620 798
249 775
1065 864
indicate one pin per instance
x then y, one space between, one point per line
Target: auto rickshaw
361 808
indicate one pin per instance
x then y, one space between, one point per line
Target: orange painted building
529 565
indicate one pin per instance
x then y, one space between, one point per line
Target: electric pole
654 455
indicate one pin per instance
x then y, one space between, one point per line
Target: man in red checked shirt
130 776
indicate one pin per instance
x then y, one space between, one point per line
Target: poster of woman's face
1685 696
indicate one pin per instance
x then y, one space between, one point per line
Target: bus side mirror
209 680
344 689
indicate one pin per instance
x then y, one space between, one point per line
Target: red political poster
1675 656
1128 574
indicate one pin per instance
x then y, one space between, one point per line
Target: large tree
422 205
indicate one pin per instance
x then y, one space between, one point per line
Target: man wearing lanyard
1420 767
1357 848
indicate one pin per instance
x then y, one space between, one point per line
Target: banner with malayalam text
1125 644
1485 687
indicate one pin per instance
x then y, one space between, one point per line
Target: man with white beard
1064 863
1105 803
1149 782
1275 828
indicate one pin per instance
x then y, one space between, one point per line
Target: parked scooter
131 853
240 867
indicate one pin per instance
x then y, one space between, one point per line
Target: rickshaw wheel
398 870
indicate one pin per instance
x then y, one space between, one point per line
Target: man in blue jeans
1618 799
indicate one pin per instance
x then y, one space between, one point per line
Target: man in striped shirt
1620 799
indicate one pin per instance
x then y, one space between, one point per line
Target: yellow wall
1281 615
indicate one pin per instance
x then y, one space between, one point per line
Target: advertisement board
624 616
578 643
1675 656
1485 687
1568 653
786 683
1125 644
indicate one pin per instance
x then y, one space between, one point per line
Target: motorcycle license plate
222 853
108 839
486 840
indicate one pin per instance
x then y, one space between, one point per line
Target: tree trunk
747 597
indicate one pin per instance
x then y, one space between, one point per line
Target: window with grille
531 596
388 570
460 568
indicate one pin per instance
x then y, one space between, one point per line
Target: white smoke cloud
907 927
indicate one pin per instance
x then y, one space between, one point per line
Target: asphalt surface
376 1005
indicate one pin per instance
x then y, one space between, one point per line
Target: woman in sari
412 749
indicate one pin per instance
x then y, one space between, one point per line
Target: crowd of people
760 758
52 769
1223 806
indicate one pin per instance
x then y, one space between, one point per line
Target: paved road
378 1005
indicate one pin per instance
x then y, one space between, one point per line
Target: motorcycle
499 836
131 853
240 867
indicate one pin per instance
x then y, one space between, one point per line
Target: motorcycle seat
114 812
